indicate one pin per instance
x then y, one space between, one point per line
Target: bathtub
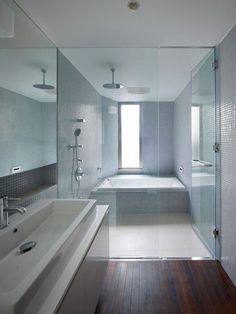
139 194
137 182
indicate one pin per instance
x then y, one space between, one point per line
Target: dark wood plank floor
170 287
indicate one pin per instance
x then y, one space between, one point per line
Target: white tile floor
155 235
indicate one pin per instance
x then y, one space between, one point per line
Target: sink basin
57 227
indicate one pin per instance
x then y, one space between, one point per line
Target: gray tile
77 99
27 182
227 113
182 136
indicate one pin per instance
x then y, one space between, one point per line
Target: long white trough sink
57 227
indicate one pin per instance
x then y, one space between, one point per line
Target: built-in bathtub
142 194
137 182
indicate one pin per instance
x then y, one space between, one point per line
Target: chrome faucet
5 209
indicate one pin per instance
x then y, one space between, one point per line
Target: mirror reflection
27 109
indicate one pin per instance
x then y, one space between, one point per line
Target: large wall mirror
28 96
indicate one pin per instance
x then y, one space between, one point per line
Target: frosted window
130 136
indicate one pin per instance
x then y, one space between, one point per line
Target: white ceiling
21 68
165 71
108 23
26 33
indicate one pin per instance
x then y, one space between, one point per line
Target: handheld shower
77 172
76 134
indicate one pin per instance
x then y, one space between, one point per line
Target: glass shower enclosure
203 193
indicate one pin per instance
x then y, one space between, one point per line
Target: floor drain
26 247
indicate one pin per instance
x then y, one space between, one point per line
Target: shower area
136 131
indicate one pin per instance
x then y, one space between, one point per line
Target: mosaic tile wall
227 57
77 99
182 136
29 183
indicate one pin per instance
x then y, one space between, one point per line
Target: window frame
119 138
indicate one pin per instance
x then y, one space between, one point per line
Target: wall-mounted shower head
77 132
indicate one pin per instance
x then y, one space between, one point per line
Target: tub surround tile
143 202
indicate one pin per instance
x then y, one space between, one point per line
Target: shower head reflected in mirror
44 86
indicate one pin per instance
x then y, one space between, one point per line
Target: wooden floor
170 287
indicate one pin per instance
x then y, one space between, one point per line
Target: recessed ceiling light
133 5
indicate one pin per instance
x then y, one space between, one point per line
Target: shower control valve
79 174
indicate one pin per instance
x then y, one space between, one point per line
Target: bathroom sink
56 227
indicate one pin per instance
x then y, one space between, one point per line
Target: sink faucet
5 209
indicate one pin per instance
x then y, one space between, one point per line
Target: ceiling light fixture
133 5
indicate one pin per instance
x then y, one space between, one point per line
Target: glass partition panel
203 155
148 191
90 99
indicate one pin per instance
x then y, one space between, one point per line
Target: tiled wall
150 142
156 133
207 134
41 193
182 136
77 99
109 137
21 128
99 136
27 127
157 138
28 184
227 57
166 138
49 132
